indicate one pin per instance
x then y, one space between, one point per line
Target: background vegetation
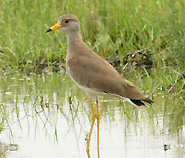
111 28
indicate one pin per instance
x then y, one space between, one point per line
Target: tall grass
105 24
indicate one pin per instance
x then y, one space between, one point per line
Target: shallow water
37 115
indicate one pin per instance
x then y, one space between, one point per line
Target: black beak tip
49 30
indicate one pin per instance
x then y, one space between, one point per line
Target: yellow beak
54 27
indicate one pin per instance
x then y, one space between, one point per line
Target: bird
92 73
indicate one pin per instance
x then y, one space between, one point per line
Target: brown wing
98 74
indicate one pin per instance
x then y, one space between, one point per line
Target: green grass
105 26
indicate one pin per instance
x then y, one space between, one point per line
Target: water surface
47 115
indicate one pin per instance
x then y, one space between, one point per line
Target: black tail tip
147 100
140 103
137 102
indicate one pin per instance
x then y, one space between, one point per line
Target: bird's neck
73 37
75 45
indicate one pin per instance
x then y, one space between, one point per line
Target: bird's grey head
66 23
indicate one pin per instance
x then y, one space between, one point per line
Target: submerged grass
47 94
49 97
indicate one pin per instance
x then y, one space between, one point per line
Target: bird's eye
66 21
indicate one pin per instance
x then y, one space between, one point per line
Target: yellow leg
90 133
88 154
98 124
